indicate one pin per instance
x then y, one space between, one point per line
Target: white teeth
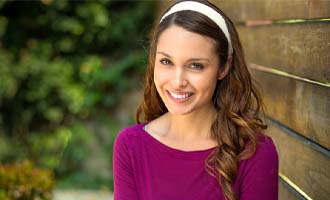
179 96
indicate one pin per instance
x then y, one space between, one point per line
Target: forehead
178 41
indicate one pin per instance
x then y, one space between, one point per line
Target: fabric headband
205 10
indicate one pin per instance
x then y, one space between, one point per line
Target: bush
63 64
23 181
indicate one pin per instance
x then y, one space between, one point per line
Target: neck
192 126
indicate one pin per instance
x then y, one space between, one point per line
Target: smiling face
186 70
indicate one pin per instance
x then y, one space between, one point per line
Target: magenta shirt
146 169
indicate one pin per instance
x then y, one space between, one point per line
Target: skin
185 74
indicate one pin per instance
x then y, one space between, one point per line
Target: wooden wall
287 46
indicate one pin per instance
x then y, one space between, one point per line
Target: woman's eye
197 66
165 62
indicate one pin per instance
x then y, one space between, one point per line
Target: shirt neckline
173 151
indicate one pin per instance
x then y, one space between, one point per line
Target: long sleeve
124 184
260 181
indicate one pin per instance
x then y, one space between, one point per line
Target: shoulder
128 134
265 147
258 175
131 131
265 155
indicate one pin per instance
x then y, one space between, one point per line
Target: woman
199 135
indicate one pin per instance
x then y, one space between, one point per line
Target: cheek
160 76
209 87
206 84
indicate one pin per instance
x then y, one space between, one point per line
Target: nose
179 79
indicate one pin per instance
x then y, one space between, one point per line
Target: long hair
238 125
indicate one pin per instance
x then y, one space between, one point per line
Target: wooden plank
163 5
300 49
319 9
308 168
292 188
301 106
285 193
243 10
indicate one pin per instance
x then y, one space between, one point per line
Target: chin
179 111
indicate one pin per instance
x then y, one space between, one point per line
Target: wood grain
307 168
300 49
301 106
284 193
243 10
163 5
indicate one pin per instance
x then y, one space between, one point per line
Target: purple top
146 169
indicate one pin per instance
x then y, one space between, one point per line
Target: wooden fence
287 46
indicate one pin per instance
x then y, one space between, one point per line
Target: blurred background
69 72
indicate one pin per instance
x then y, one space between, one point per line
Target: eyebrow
191 59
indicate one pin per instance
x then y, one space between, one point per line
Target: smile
180 96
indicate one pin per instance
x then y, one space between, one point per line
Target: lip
179 97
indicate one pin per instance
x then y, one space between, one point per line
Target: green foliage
75 140
62 64
22 181
79 179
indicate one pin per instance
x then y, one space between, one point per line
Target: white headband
205 10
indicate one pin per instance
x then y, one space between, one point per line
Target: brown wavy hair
237 101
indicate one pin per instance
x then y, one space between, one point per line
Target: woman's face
186 70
